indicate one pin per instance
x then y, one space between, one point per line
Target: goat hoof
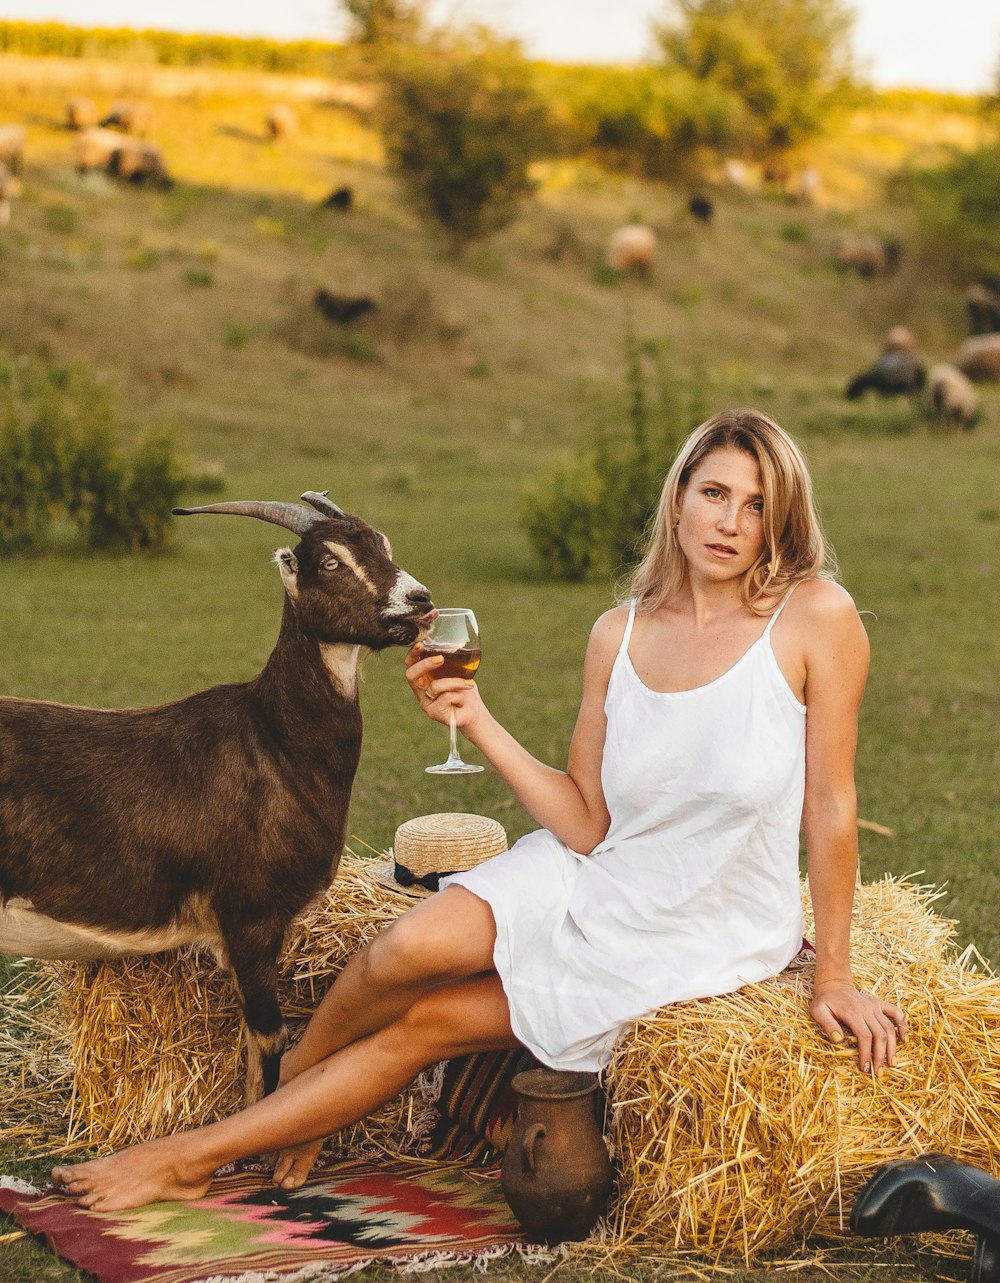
985 1261
933 1192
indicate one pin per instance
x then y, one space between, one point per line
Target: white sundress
695 889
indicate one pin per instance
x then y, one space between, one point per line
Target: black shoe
933 1192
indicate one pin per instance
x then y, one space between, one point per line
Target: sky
927 43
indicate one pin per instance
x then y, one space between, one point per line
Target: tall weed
589 514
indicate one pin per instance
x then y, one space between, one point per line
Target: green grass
429 418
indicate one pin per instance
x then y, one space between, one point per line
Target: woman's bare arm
568 803
836 660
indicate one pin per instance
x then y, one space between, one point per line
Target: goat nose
419 596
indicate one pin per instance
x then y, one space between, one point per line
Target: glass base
454 768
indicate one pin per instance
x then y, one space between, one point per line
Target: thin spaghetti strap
623 648
781 606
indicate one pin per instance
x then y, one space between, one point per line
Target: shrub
198 276
590 513
237 334
462 121
59 457
651 121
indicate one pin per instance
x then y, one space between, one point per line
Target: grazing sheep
93 148
81 113
133 160
129 117
136 161
282 123
949 395
983 307
737 174
216 818
979 358
867 255
701 208
897 372
631 248
12 148
341 198
341 308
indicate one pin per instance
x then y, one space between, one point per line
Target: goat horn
319 500
290 515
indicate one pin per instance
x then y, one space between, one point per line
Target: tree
782 63
462 121
374 22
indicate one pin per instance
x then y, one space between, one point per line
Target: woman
667 865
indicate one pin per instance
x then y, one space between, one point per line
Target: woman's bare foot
151 1173
294 1163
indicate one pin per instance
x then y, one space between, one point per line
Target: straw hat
430 847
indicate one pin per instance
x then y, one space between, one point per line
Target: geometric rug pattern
348 1216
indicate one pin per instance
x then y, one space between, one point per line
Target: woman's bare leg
453 1019
446 937
449 936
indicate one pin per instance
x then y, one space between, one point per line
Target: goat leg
253 958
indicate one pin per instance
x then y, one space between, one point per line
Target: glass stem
452 737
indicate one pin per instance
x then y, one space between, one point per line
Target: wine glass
455 635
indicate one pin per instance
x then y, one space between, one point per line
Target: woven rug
415 1213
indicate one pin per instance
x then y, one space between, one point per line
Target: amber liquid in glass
459 661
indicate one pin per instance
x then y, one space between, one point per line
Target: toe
296 1175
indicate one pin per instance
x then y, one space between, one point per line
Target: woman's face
720 516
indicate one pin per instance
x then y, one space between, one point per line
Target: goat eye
331 563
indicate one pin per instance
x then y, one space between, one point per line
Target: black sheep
341 198
895 373
342 308
701 208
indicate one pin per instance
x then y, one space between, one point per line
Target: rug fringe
323 1272
18 1186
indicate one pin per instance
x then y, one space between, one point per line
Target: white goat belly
27 934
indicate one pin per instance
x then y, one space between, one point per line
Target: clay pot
556 1173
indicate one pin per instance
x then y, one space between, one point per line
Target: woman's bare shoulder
611 624
822 601
606 635
827 630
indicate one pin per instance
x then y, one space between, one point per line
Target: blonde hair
794 545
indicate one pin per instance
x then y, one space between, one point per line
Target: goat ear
288 568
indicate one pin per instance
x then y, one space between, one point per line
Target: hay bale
739 1129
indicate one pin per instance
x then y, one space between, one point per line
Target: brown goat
217 818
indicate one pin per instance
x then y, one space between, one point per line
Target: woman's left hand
878 1026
